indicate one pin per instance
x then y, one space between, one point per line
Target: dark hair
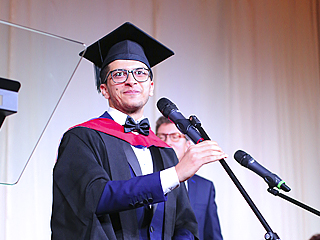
315 237
103 73
100 76
161 120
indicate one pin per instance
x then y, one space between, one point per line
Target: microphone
170 111
272 179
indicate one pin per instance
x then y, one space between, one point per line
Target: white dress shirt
168 177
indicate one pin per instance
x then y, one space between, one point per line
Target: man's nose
130 79
167 140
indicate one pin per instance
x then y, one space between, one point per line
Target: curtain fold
248 70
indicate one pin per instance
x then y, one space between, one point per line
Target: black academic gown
83 169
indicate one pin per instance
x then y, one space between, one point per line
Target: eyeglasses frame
128 72
171 134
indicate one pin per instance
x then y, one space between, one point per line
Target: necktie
141 127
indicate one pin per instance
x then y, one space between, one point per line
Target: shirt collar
119 117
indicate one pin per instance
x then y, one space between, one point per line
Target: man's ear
104 90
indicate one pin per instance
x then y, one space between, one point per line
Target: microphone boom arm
270 235
275 192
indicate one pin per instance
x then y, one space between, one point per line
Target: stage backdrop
249 70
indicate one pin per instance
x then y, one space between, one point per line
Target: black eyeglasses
121 75
173 136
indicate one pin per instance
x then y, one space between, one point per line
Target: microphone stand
270 235
275 192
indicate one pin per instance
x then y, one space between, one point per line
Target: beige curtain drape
249 70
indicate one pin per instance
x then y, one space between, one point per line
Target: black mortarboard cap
129 43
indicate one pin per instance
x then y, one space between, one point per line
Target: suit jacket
202 199
85 166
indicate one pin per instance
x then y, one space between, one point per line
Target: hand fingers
208 147
207 151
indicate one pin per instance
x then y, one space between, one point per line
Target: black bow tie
141 127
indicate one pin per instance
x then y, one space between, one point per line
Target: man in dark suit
200 190
114 178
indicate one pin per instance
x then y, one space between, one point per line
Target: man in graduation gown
114 179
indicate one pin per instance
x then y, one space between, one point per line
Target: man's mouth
131 92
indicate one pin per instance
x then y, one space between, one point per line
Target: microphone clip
197 124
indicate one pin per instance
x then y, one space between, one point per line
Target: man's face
179 146
131 96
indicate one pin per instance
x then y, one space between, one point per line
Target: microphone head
165 106
242 157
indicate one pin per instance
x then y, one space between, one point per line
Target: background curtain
249 70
